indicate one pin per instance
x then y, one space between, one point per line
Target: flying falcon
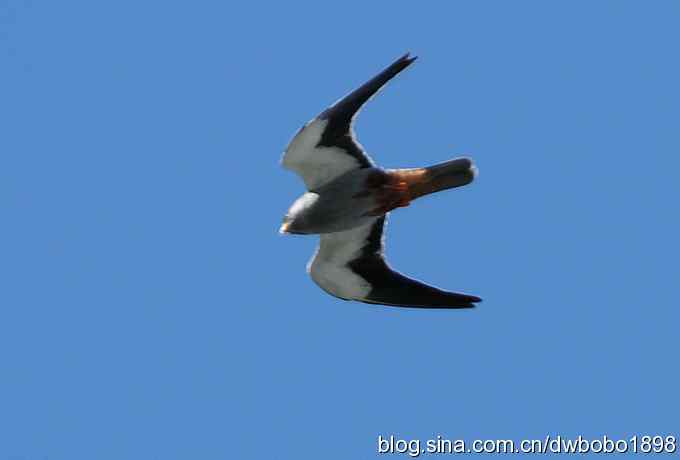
347 202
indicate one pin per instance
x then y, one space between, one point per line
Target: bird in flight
348 200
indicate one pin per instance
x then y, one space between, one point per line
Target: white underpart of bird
348 200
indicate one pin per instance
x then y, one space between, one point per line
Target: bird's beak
284 228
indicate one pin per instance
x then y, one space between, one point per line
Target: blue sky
151 310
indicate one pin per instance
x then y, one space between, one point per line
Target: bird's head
295 221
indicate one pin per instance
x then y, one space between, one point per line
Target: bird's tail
442 176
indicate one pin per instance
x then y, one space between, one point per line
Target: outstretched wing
325 148
351 265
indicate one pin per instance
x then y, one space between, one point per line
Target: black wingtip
463 301
343 111
406 59
410 293
397 66
469 301
416 306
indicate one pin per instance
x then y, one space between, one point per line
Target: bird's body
357 197
347 201
342 204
